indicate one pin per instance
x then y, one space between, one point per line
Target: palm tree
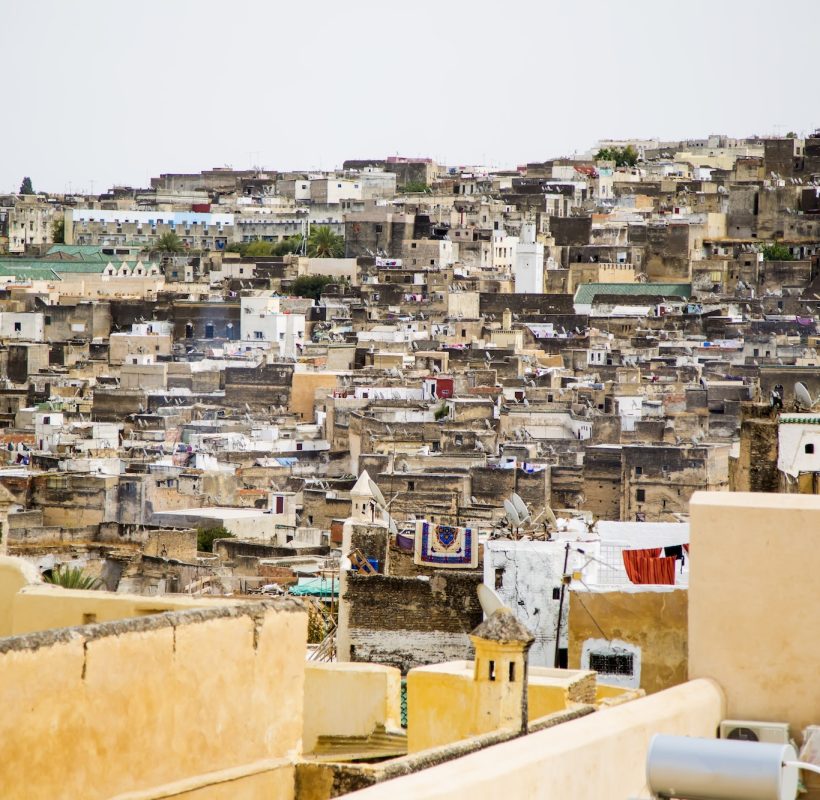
323 243
71 578
169 242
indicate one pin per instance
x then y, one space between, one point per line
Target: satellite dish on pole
490 601
520 506
377 495
802 395
512 515
550 517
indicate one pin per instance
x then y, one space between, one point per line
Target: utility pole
561 605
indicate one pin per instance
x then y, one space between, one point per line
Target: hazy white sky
114 91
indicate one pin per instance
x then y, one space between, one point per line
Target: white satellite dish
377 495
520 506
490 601
802 395
394 529
550 517
512 514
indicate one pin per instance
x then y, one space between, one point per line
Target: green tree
58 231
777 252
415 187
311 285
71 578
622 156
288 246
323 243
259 249
791 135
169 242
205 537
628 156
26 187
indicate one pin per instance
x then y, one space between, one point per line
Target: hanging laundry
645 566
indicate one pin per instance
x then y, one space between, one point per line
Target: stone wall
265 386
413 621
755 468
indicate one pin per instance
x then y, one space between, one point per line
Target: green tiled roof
75 249
587 292
44 269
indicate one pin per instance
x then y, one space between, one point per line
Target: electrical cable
589 613
802 765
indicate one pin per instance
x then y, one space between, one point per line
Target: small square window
640 495
809 448
18 327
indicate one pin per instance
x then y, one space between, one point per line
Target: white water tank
687 768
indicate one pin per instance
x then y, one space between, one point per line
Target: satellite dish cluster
518 515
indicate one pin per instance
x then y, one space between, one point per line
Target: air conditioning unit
745 730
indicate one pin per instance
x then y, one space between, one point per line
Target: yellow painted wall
303 391
444 701
14 575
349 699
137 704
754 596
655 621
440 704
42 607
601 755
268 779
551 690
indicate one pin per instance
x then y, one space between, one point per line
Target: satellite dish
376 492
490 601
802 395
520 506
512 514
550 517
394 529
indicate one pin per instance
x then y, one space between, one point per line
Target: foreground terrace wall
602 755
753 603
204 703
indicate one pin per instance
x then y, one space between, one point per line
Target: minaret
365 514
529 263
363 505
501 644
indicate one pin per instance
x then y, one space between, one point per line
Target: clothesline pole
556 659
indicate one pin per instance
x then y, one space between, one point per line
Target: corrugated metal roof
587 292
